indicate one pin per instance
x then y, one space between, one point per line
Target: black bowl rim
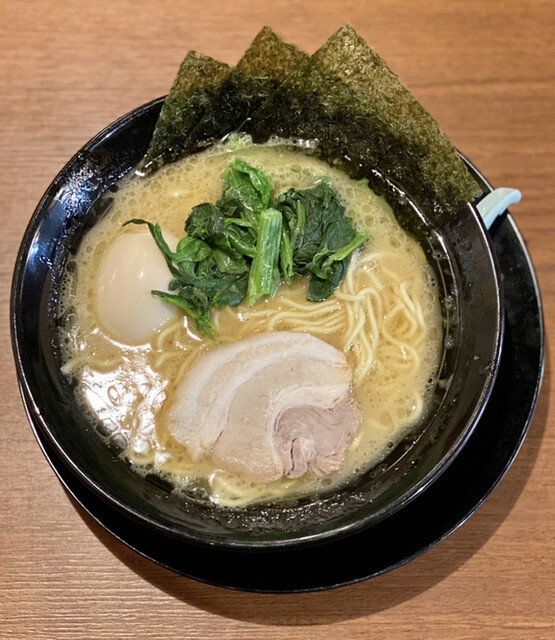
191 536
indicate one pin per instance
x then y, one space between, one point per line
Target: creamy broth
384 316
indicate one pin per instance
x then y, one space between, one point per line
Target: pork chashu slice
230 404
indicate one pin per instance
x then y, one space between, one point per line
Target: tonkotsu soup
129 351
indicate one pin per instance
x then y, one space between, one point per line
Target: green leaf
206 223
342 253
191 249
194 303
286 256
242 241
321 289
229 260
231 291
264 268
156 233
321 236
248 186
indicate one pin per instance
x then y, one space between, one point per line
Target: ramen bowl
460 253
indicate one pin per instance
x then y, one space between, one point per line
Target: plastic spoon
495 203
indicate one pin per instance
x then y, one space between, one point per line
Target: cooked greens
321 236
247 242
264 275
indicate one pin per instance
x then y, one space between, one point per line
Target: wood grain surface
485 69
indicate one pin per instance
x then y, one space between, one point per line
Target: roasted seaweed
367 122
264 66
198 80
344 98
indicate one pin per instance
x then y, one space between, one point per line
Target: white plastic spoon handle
496 202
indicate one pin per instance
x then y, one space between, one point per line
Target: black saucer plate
416 528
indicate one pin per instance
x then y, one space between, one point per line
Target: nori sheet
264 66
367 122
197 82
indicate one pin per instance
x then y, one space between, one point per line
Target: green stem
262 276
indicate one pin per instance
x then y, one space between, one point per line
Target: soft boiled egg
131 268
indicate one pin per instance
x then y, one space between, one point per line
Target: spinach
247 242
321 288
195 303
322 237
264 275
248 192
203 276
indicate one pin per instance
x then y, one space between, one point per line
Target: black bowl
462 256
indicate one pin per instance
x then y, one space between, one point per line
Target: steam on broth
384 317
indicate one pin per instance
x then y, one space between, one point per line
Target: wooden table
485 70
